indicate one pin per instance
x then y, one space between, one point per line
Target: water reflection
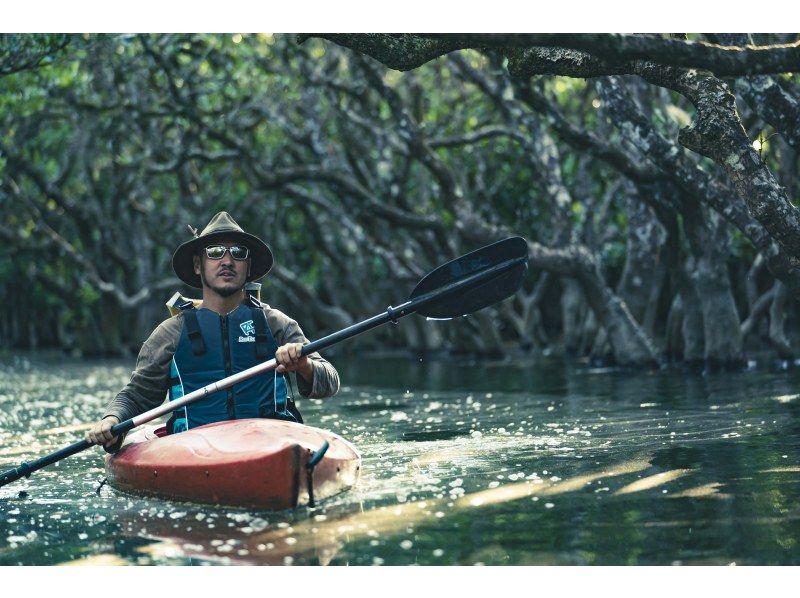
508 463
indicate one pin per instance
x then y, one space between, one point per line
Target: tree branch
408 51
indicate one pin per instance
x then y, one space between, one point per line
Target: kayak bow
261 463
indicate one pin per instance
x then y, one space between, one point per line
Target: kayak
260 463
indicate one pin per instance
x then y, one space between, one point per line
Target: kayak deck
250 462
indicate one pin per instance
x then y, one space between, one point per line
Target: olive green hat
220 226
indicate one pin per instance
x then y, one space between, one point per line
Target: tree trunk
573 309
673 338
692 328
710 243
777 317
640 274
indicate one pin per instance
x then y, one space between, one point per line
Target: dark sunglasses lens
239 252
215 252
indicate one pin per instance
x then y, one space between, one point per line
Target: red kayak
258 463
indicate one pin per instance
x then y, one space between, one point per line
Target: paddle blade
504 264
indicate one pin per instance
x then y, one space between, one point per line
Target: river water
537 463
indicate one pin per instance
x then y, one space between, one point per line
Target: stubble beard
224 291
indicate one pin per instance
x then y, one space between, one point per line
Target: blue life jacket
213 347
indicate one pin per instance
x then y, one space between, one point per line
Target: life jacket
212 347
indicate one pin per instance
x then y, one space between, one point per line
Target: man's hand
289 360
101 432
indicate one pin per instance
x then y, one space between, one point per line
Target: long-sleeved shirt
149 382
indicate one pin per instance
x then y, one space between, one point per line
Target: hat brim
260 256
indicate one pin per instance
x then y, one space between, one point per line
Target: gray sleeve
150 380
325 380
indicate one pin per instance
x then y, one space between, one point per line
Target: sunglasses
217 252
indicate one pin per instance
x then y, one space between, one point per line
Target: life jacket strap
193 328
260 324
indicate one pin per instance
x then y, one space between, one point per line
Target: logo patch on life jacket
250 330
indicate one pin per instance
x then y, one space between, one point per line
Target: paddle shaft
26 469
392 314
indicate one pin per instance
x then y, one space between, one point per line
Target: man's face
225 276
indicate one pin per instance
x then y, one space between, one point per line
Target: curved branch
487 132
725 61
767 97
408 51
758 311
401 51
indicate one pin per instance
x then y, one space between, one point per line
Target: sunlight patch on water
794 469
64 429
164 549
705 491
653 481
786 398
98 560
510 492
22 450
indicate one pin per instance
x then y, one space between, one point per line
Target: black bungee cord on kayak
100 487
313 461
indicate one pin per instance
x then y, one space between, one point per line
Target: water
492 463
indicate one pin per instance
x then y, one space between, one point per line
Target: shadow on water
504 463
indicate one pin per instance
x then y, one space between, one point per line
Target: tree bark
721 324
777 318
694 183
406 51
572 315
692 322
641 274
765 95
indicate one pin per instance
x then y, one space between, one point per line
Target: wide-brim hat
221 226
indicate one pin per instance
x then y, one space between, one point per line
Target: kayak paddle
475 280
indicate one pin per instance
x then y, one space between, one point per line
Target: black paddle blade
475 280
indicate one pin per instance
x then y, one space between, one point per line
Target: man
228 333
